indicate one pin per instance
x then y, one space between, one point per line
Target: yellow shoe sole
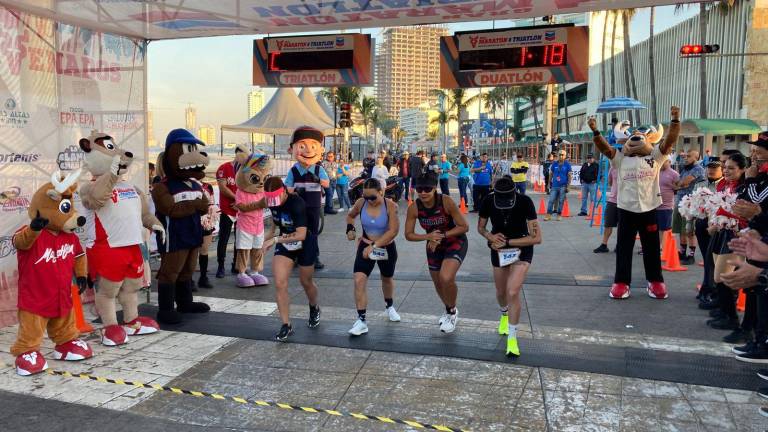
512 348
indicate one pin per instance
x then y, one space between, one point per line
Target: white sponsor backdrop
57 83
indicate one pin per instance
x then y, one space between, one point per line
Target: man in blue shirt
445 170
691 172
481 174
559 179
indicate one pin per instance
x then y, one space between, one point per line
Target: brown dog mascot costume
637 171
180 202
116 214
49 253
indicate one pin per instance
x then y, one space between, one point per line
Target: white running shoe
442 319
393 315
449 325
360 327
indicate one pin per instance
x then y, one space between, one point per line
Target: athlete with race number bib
514 232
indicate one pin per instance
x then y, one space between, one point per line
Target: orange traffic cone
542 206
462 206
741 302
589 213
673 260
597 217
566 211
77 305
667 246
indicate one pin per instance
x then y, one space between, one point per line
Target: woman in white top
380 172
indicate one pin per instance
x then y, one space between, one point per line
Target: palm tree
613 56
629 71
455 99
443 117
654 116
565 107
603 81
386 125
375 119
493 100
366 105
533 94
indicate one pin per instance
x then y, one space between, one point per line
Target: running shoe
657 290
314 317
763 392
512 349
449 325
504 325
743 349
763 411
442 319
559 218
360 327
547 217
393 315
619 291
738 336
601 249
285 331
763 373
758 355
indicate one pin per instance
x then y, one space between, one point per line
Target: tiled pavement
461 393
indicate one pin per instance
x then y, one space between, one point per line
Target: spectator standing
368 164
463 177
501 167
611 213
331 167
225 177
668 177
690 174
386 160
588 177
560 178
445 172
555 144
342 185
519 170
481 171
415 167
707 293
380 172
546 168
403 166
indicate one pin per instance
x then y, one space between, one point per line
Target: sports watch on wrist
762 278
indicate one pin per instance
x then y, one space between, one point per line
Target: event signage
519 56
303 61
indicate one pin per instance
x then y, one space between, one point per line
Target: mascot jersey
638 180
115 222
45 274
182 232
251 222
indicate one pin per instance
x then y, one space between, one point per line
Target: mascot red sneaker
49 253
180 202
637 172
250 205
116 214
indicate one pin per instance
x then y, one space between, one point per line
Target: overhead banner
198 18
57 83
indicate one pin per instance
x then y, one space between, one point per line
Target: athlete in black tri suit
446 239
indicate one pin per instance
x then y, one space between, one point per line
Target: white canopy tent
308 99
324 105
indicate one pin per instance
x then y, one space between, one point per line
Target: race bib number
508 256
379 254
293 246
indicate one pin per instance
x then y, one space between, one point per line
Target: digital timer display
310 60
552 55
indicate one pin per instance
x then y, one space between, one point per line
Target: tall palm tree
456 99
630 86
443 117
613 56
366 105
651 61
565 107
493 100
533 93
508 94
375 118
603 80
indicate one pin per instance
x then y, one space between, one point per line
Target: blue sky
214 74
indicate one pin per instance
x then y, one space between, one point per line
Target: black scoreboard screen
514 58
310 60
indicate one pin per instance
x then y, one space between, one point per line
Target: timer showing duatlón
514 58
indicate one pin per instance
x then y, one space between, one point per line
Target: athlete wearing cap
446 237
514 231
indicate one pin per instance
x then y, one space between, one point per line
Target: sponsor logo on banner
14 158
12 200
310 43
310 78
12 116
513 77
549 36
510 39
121 121
76 117
6 246
70 159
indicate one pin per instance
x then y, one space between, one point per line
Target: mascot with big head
49 253
180 202
638 164
116 215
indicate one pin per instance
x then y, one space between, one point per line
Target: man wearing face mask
307 177
690 174
638 166
706 300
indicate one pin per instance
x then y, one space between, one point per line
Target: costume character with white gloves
116 215
638 165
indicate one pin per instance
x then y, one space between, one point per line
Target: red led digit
557 57
273 61
545 57
523 55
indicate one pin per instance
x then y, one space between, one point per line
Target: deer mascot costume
638 165
116 215
49 253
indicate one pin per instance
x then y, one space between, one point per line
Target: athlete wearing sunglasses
446 239
380 224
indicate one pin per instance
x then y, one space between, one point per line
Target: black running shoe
763 411
763 392
314 316
738 336
757 355
601 249
743 349
763 373
724 323
285 331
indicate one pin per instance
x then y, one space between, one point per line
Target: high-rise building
407 67
190 117
255 104
207 134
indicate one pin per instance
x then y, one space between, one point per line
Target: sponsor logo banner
511 39
310 43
